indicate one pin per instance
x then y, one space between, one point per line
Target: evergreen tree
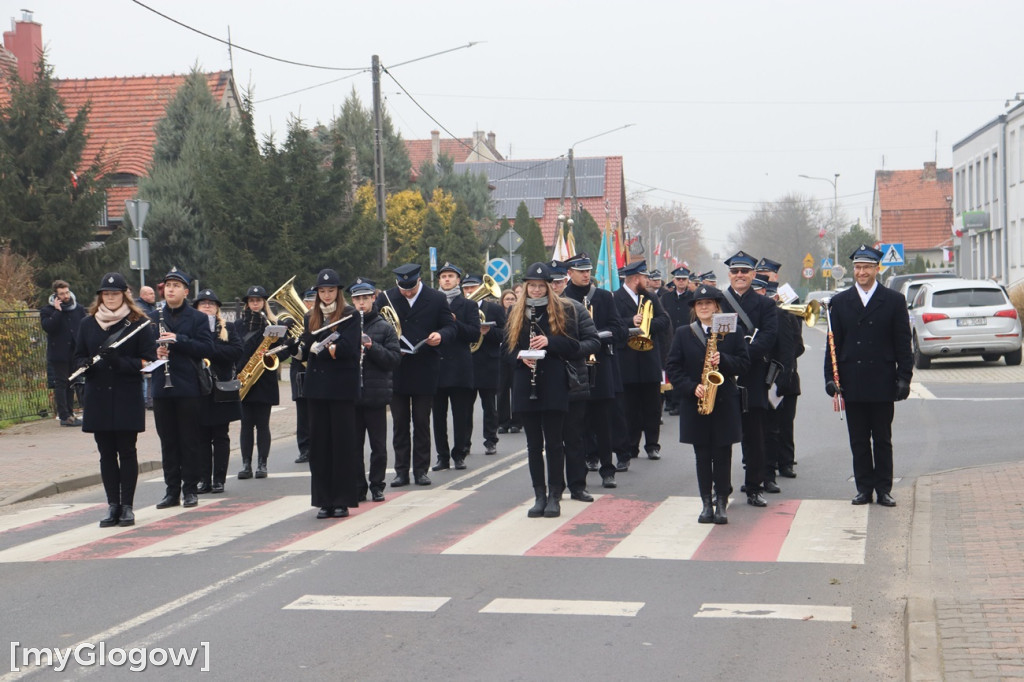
533 249
355 128
472 189
461 245
434 234
49 202
587 234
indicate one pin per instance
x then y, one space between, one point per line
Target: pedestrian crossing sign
892 254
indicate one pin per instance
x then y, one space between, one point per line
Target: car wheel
921 361
1012 359
990 357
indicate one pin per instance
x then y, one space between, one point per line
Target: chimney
435 146
491 141
25 41
929 170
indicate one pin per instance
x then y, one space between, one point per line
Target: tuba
643 340
809 312
488 288
295 309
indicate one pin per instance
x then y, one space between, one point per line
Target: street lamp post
835 216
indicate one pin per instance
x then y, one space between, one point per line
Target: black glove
832 389
902 389
288 322
106 351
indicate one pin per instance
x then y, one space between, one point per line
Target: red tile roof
914 206
420 150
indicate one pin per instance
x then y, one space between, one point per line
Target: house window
1012 154
970 187
984 184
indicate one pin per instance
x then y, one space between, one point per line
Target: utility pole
378 159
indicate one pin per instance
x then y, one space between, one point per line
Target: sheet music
153 365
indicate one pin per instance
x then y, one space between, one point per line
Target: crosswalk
614 527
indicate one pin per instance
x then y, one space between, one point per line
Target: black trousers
302 425
119 465
461 400
505 417
753 449
573 445
334 458
544 436
598 431
214 452
411 411
780 450
714 468
255 417
870 429
372 422
620 428
489 405
643 415
64 392
177 424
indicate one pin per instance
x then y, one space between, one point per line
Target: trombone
488 288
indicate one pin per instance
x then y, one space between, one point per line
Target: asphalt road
453 582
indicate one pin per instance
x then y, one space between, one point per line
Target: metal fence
23 391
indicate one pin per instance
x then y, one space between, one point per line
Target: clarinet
533 370
166 345
362 351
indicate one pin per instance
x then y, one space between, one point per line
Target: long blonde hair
316 316
517 318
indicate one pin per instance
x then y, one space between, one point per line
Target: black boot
721 502
127 516
204 488
537 510
553 508
246 471
707 514
113 516
261 468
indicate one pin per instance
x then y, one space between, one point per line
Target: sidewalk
44 458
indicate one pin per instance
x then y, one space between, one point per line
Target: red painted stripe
145 536
597 530
751 535
316 525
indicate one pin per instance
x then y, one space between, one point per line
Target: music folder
410 349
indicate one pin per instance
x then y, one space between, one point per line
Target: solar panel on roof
534 181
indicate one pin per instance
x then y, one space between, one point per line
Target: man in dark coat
760 324
487 361
380 358
676 302
60 319
426 322
185 339
641 370
872 343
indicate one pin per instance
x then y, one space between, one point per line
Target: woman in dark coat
114 409
265 393
542 320
215 443
332 388
711 435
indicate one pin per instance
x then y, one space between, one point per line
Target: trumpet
643 341
810 312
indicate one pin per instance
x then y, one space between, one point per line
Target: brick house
915 208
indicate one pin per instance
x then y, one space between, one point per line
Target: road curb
924 652
66 484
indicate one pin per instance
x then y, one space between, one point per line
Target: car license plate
971 322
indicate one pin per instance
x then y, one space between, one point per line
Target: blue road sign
499 269
826 263
433 259
892 254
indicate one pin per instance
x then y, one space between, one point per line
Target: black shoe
743 488
553 506
73 421
539 503
885 499
339 512
191 500
246 471
303 458
127 516
861 498
400 480
422 479
771 487
490 449
442 465
673 411
261 469
113 516
324 513
581 495
460 463
622 465
204 488
502 429
593 465
707 513
377 494
609 482
362 497
720 504
654 452
168 501
515 429
217 488
755 500
787 472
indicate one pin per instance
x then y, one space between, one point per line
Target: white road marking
671 531
83 535
325 602
564 607
227 529
512 533
29 516
518 464
812 612
827 531
919 391
363 530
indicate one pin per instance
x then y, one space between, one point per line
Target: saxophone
710 378
257 364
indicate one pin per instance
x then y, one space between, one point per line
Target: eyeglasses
740 271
